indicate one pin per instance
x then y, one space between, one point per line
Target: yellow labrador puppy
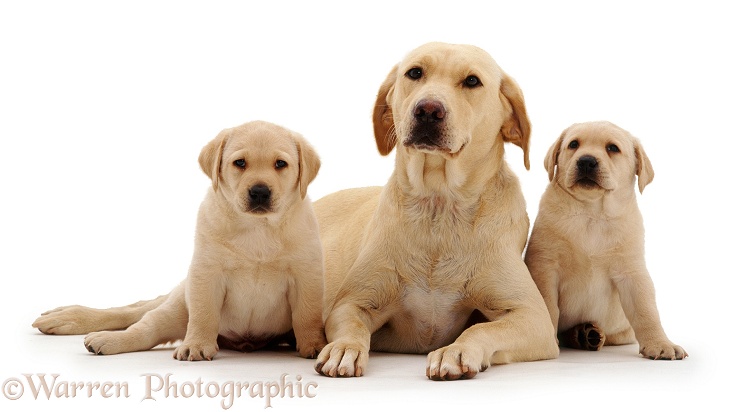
586 251
432 262
256 273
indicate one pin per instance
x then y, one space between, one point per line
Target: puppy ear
383 119
211 156
517 128
308 164
552 157
644 167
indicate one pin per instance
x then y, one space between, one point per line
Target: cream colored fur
586 252
255 274
412 266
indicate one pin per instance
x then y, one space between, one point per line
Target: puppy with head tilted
586 251
256 272
432 262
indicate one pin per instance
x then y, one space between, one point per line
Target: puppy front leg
545 274
205 294
637 295
306 307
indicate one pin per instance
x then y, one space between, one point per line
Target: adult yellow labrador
432 262
586 251
256 272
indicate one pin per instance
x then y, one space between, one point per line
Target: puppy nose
429 111
259 194
587 164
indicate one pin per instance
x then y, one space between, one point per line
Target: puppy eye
613 148
414 73
472 81
281 164
240 163
573 145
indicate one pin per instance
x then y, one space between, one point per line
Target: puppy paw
455 361
310 347
189 351
341 358
65 320
585 336
662 350
108 343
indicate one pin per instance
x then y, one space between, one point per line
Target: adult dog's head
593 158
259 168
450 101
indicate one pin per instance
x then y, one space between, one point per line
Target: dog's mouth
430 144
425 146
259 210
587 183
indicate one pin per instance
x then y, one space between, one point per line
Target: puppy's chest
256 301
593 236
260 248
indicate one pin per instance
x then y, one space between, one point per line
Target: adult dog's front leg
519 329
519 335
362 306
348 329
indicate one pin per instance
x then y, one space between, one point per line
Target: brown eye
240 163
281 164
472 82
573 145
613 148
414 73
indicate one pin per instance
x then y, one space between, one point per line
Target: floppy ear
383 120
211 156
517 128
308 164
644 167
552 157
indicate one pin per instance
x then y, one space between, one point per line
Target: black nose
429 111
587 165
259 195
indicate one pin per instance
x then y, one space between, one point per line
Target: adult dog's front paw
455 361
665 350
342 358
196 351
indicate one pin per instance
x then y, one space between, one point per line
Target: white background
105 106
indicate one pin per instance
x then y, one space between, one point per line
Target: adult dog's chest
431 307
433 269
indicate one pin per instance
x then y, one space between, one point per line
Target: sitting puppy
256 272
586 251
